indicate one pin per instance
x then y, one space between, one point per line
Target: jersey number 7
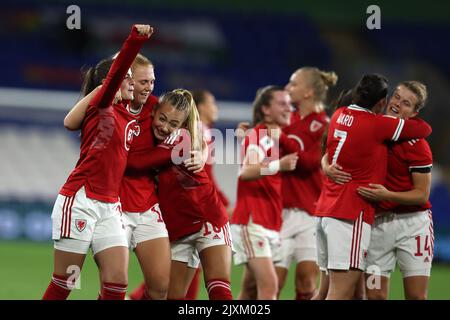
342 136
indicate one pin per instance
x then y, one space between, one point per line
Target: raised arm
74 119
139 34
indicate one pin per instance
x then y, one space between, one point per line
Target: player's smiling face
144 78
279 111
166 119
402 103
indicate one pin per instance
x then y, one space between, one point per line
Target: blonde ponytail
329 78
320 81
193 123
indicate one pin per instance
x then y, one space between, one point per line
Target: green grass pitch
26 267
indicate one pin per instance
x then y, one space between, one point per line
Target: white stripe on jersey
358 108
298 139
426 166
421 167
399 129
173 136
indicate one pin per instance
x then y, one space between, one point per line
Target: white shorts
255 241
406 239
97 224
140 227
298 238
342 244
187 249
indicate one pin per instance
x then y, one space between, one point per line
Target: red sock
219 289
58 289
113 291
192 292
304 295
138 293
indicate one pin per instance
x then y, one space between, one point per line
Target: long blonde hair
182 100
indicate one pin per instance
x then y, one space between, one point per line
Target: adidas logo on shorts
216 237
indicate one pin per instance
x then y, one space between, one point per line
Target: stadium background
228 47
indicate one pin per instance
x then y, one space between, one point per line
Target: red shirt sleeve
418 155
173 150
146 160
308 158
393 129
119 69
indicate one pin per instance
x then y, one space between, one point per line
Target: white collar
134 112
358 108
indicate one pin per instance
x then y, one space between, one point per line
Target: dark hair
370 90
93 77
343 99
263 97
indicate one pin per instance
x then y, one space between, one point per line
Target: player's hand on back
288 162
335 172
375 192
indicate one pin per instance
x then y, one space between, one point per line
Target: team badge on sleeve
80 224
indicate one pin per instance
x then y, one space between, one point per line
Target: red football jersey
106 133
404 159
357 141
137 192
301 187
259 199
186 199
295 116
209 165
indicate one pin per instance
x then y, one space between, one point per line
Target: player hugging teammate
363 143
369 211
